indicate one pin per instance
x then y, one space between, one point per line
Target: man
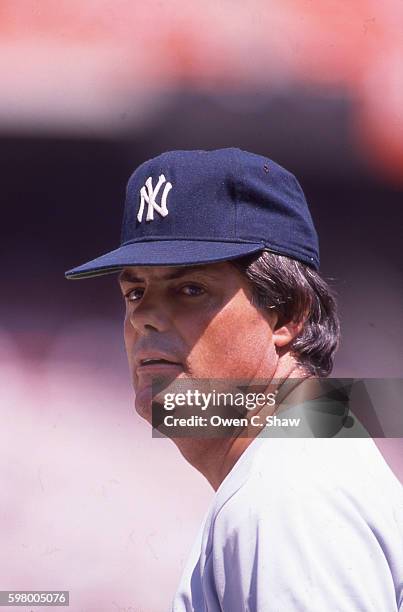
219 271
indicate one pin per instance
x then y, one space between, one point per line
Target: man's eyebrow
130 277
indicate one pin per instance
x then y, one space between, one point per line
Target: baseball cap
198 207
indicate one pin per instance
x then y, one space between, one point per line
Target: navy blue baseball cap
197 207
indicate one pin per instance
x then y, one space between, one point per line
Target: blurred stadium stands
88 90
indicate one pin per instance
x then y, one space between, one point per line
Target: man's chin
149 395
152 394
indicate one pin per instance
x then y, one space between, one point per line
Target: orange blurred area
74 66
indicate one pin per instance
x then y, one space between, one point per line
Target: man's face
193 322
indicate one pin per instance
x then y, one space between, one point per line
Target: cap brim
163 253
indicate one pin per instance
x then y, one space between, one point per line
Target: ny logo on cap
148 194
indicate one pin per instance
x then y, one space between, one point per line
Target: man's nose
150 315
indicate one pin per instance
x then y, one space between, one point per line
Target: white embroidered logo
149 194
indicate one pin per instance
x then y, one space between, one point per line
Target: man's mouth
150 361
151 365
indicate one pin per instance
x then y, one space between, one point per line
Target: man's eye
134 295
192 290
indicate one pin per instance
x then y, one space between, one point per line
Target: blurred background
90 89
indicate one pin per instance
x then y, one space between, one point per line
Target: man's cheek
215 355
129 340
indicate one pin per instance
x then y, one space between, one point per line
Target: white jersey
307 525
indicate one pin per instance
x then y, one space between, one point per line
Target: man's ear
284 334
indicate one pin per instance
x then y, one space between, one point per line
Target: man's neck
215 457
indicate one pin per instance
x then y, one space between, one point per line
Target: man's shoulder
345 474
317 518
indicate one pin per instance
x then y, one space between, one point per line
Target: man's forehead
141 273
